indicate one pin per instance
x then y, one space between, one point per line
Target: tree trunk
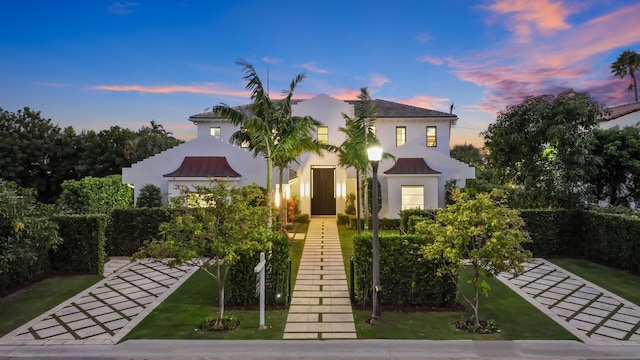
635 85
283 204
270 192
358 209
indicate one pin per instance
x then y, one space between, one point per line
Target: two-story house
417 137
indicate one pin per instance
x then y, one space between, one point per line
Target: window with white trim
215 132
401 135
323 134
432 138
412 197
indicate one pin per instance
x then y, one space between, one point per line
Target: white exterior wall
151 170
632 119
327 111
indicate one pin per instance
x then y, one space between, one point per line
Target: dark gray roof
621 110
390 109
385 109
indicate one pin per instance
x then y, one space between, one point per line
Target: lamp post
374 154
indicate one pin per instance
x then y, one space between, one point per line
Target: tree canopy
542 145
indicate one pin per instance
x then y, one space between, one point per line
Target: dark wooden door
323 200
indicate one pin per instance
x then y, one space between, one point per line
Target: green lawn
30 302
180 315
618 282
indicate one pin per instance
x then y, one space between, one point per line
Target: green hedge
342 219
82 248
242 287
612 240
128 229
407 278
554 232
405 215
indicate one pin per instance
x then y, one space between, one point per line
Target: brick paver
320 306
106 312
591 313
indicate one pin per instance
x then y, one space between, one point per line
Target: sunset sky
95 64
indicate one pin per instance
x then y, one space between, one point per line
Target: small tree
480 237
150 196
228 222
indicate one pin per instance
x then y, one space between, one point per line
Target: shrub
128 229
406 214
554 232
150 196
82 250
302 218
407 278
343 219
95 195
26 236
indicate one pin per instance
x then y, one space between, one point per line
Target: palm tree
359 135
296 137
627 63
260 127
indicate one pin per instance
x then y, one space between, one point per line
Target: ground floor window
412 197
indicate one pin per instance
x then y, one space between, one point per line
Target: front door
323 198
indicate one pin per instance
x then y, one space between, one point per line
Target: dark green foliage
343 219
150 197
406 214
95 195
468 154
554 232
242 290
389 224
26 236
407 278
612 240
128 229
350 204
302 218
82 249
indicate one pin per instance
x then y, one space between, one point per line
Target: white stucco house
621 116
417 137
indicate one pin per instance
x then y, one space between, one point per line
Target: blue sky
95 64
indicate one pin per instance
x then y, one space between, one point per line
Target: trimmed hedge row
82 249
612 240
408 279
554 232
242 289
128 229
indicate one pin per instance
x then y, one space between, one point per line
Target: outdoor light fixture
374 154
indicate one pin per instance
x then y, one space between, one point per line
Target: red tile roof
204 166
621 110
411 166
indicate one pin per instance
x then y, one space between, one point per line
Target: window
215 132
401 135
323 134
412 197
432 139
245 144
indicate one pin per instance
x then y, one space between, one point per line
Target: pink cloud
428 102
549 65
345 94
207 88
527 17
313 68
378 80
434 60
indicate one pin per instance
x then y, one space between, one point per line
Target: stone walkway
591 313
107 311
320 306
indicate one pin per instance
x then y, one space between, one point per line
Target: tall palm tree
627 63
359 135
296 137
260 126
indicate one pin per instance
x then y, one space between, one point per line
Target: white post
260 287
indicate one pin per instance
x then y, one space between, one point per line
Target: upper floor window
401 135
245 144
323 134
432 138
215 132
